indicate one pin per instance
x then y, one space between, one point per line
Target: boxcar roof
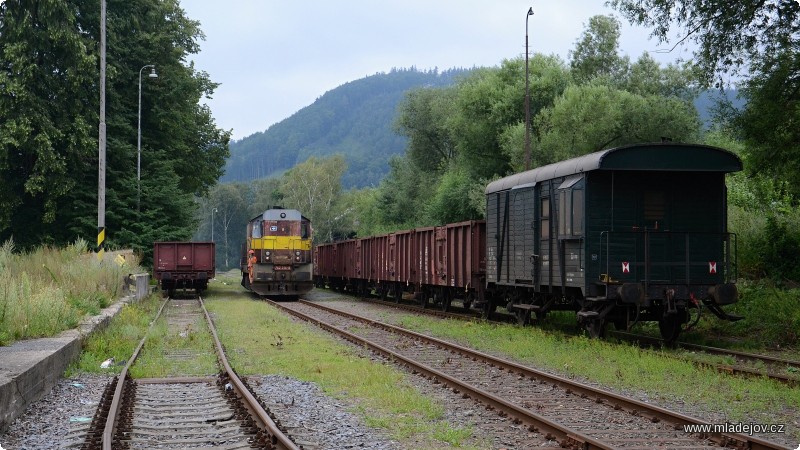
657 156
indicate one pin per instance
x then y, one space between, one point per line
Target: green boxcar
634 233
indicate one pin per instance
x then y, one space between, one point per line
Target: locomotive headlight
296 253
266 253
297 258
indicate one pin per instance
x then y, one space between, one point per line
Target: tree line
49 105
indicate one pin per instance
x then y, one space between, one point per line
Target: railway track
769 366
746 364
183 412
576 415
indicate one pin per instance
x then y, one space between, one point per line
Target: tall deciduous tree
756 41
596 53
314 188
422 117
47 131
595 116
49 98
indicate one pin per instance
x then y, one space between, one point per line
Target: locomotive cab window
277 228
570 207
256 229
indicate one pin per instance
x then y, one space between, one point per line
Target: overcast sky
274 57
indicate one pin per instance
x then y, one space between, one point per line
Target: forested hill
355 119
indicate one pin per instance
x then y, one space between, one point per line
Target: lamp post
527 99
152 74
212 223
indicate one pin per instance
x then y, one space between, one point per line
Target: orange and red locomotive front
277 259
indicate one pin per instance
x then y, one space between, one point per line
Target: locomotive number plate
276 267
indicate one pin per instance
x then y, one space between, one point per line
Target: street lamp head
153 73
530 11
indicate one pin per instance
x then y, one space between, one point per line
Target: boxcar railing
679 257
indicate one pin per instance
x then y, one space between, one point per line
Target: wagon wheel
383 290
523 316
398 293
423 299
468 299
446 298
488 308
438 297
670 327
595 328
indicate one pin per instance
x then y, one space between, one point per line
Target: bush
771 316
781 248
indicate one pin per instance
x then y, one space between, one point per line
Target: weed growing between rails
50 290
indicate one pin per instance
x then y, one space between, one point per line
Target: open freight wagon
183 265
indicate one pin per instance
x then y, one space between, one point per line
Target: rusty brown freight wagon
436 264
183 265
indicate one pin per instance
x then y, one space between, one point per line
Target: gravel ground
57 420
314 420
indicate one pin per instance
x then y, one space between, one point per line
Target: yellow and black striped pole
101 242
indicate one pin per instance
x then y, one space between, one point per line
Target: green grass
261 340
158 358
118 339
51 290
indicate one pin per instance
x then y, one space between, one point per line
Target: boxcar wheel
446 299
398 293
488 308
670 327
423 299
468 299
523 316
595 328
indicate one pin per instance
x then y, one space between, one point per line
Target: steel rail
641 408
753 357
276 436
116 403
535 421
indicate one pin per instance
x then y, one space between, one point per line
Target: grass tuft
50 290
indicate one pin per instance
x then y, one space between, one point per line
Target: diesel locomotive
624 235
276 258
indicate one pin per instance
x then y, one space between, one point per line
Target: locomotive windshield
281 228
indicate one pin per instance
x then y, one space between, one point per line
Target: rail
276 437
